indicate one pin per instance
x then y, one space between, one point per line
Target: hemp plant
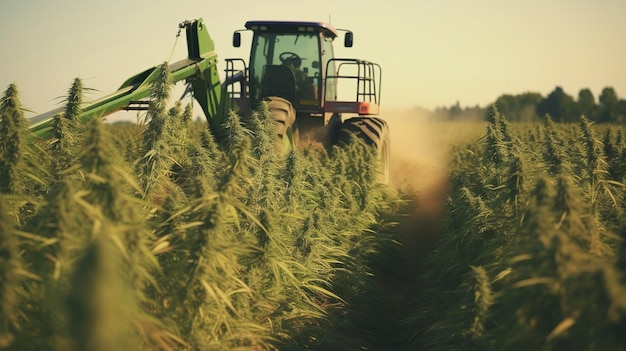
13 141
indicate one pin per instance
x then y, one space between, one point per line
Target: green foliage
23 166
157 237
519 108
531 107
155 167
67 131
553 153
11 275
536 246
557 104
97 301
13 141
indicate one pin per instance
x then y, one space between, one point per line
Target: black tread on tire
373 131
282 113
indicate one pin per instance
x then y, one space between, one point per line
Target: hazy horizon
432 53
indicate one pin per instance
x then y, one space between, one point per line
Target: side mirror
348 40
236 39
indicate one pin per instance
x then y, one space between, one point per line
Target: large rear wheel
373 131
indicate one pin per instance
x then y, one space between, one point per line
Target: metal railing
366 75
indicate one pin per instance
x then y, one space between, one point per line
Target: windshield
299 52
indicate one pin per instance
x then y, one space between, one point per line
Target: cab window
300 52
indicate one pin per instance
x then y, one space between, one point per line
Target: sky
433 53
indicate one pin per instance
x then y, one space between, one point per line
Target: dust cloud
419 154
419 170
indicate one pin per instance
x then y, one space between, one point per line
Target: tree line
532 106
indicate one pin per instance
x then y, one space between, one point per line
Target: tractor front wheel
283 116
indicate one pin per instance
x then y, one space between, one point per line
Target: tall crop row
160 237
533 252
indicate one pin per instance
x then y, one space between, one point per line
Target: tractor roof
292 27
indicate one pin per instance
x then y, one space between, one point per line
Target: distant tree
519 108
457 113
621 112
609 104
586 104
507 105
475 113
455 110
527 108
558 105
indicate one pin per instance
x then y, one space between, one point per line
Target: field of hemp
155 236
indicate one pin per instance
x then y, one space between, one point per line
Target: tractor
291 68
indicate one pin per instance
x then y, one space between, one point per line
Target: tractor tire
283 116
374 132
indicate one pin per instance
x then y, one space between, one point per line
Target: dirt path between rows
419 171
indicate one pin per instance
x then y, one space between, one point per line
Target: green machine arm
199 69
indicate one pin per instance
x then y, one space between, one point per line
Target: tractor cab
295 61
289 60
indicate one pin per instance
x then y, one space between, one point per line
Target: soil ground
419 171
